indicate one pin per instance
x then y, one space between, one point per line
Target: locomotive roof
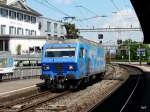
78 40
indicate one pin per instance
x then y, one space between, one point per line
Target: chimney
13 1
3 1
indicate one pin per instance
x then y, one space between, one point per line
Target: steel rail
29 106
94 106
36 104
128 99
91 108
22 100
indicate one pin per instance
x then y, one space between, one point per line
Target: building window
33 19
49 35
33 33
19 31
3 29
55 27
12 14
4 45
20 16
55 36
27 32
48 26
26 18
1 45
12 30
4 12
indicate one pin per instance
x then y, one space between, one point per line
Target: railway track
30 103
132 71
111 72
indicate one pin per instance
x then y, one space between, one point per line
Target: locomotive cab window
82 52
60 52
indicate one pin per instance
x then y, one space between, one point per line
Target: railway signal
119 41
100 36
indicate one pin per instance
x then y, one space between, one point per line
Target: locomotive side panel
91 60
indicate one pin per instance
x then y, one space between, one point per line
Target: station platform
10 87
145 68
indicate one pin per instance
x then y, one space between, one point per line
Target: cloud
123 18
66 2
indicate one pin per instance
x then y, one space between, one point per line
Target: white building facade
22 26
18 19
49 27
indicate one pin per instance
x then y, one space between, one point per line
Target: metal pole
140 55
109 55
129 52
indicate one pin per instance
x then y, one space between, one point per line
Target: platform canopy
142 8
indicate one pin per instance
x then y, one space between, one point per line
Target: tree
71 29
18 49
123 50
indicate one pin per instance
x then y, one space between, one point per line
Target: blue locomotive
70 62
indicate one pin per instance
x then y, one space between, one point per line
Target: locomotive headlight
71 67
46 67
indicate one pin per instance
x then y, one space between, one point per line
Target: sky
118 13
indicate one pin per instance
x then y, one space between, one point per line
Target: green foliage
71 29
123 49
18 49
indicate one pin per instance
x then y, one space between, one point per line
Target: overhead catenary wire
88 18
49 5
87 9
80 23
114 4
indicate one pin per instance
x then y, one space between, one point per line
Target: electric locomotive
67 63
6 65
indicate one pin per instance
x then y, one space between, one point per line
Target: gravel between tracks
81 100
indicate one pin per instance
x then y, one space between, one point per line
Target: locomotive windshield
60 52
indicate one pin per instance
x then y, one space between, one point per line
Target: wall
44 32
25 44
25 25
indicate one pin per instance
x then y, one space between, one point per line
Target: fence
24 72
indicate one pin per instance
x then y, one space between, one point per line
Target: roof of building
19 5
50 19
8 37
